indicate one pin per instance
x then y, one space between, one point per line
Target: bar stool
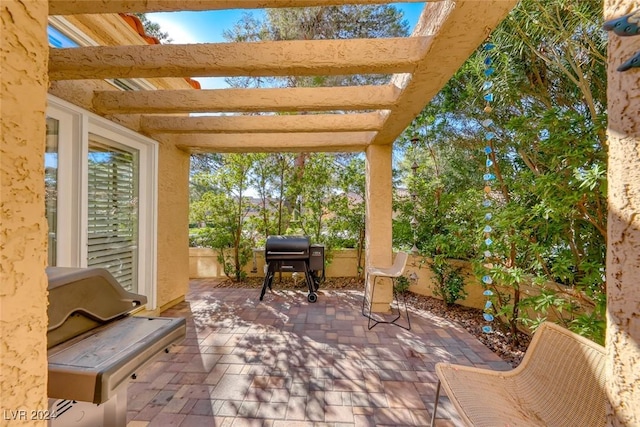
393 272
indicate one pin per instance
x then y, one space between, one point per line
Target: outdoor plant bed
499 341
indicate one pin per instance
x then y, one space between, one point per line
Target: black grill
294 254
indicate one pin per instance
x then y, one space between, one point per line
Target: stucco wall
378 221
623 259
23 228
203 263
424 284
173 224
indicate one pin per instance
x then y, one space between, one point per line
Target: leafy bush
449 281
566 309
207 237
402 284
228 262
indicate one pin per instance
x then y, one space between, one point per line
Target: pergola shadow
284 361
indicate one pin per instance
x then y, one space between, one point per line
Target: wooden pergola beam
280 58
447 51
348 98
262 124
275 142
74 7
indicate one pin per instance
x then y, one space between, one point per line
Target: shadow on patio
286 362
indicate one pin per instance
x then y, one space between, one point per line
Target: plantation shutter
113 211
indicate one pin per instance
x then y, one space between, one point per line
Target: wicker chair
560 382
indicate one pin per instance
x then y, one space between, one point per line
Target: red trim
135 23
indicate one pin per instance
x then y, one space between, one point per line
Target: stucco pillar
173 224
378 250
623 248
23 226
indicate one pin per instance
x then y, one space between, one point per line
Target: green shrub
449 281
402 284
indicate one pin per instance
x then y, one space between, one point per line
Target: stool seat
393 272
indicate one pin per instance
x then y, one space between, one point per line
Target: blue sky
207 27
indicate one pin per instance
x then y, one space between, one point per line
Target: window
101 196
51 186
63 34
103 213
112 235
61 206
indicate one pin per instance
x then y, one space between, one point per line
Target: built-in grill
95 346
294 254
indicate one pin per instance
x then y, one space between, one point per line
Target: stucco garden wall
23 226
424 284
203 263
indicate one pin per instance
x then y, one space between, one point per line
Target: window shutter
113 211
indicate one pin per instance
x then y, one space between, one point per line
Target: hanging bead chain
488 177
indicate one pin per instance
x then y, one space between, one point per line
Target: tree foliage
317 23
153 29
549 158
347 207
244 200
332 22
548 215
224 206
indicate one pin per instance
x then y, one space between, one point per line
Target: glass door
113 209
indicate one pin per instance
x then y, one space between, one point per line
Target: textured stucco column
173 224
23 226
623 249
378 220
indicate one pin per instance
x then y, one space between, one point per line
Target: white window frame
68 252
75 125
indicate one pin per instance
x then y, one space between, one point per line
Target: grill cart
95 346
294 254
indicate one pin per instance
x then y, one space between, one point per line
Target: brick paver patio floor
287 362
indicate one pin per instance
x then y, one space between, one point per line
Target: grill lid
287 247
81 299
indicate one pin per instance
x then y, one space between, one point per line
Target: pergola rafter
253 59
446 34
354 122
426 81
246 100
276 142
74 7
